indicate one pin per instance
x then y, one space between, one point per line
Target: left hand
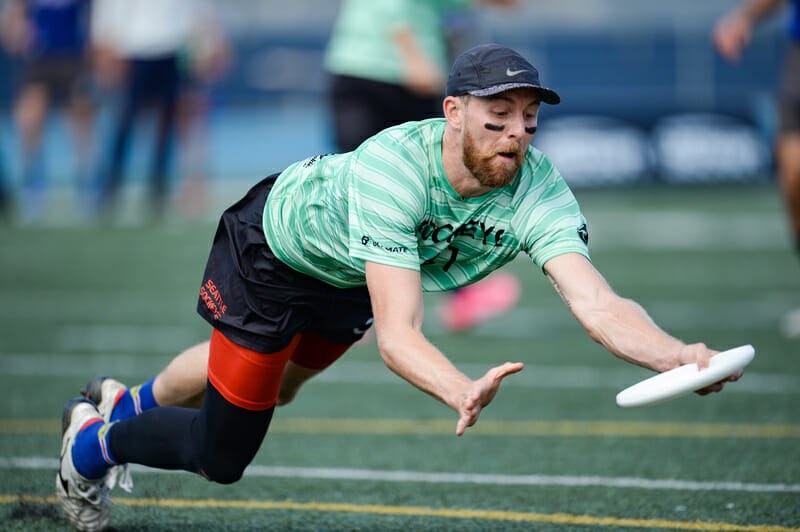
701 354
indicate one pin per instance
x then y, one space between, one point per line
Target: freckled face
497 132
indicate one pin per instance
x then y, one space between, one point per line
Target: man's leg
313 354
81 118
165 72
218 441
183 381
30 112
788 155
789 175
111 182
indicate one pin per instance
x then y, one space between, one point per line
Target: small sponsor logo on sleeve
583 232
370 242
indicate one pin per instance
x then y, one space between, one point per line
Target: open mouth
510 155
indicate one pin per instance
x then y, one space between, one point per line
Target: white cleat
104 391
87 503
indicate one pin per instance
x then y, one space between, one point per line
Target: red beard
493 169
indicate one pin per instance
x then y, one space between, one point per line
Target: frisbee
685 379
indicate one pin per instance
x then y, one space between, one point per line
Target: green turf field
360 449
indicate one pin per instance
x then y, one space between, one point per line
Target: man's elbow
388 346
592 322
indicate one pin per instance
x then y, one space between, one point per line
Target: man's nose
516 127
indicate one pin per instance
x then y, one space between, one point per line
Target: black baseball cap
490 68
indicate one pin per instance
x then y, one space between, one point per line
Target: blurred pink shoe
479 302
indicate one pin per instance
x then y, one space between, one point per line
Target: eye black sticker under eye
530 130
492 127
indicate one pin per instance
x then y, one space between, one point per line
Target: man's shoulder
424 131
538 168
536 158
409 143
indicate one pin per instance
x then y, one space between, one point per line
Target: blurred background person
205 61
140 47
731 35
51 38
388 62
5 200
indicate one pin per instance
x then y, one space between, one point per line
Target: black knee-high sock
218 440
160 437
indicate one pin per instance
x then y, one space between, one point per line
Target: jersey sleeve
386 199
549 217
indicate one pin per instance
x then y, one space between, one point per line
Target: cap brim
548 96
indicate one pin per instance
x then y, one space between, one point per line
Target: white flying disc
685 379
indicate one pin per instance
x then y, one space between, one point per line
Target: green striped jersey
389 202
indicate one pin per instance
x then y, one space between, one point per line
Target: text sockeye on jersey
475 229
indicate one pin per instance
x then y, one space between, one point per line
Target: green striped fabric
389 202
361 43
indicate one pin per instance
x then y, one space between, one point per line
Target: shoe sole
62 486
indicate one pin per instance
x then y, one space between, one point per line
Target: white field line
132 369
39 463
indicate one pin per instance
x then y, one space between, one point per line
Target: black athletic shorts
64 78
259 302
789 98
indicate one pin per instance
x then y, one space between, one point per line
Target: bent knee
285 397
223 473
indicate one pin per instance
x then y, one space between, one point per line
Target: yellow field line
484 427
419 511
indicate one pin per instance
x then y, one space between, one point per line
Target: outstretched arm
397 304
621 325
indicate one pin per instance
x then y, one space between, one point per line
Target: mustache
514 150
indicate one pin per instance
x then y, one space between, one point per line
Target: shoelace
121 473
94 492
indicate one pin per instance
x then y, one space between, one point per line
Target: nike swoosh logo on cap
512 73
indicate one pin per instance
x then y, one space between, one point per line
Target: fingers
717 386
701 355
736 376
461 426
695 353
470 410
731 36
713 388
501 372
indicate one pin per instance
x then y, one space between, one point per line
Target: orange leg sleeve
315 352
244 377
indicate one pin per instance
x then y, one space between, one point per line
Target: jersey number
450 261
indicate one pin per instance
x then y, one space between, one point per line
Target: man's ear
454 108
